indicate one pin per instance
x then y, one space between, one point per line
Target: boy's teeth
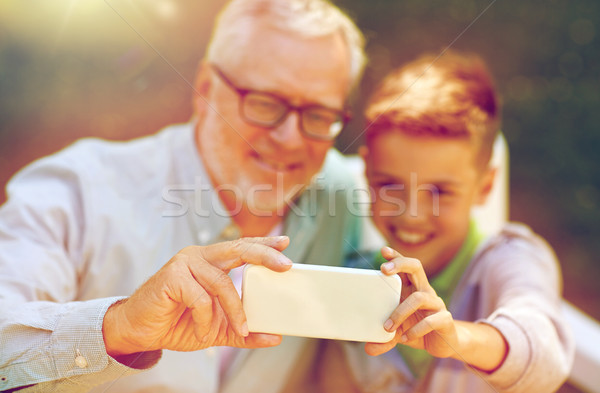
410 237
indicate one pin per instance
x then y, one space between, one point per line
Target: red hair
453 96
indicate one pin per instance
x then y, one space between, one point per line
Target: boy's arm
522 282
480 345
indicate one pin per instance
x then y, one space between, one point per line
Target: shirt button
204 237
80 361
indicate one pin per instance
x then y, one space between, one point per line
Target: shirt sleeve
59 347
47 339
523 286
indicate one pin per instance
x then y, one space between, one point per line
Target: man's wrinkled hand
191 303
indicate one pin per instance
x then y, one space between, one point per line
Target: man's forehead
288 64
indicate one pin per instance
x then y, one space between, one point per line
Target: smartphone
320 301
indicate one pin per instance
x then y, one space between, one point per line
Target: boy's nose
414 215
421 204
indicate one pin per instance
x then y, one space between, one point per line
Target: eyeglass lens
268 111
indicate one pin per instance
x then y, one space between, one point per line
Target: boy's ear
202 86
363 152
486 184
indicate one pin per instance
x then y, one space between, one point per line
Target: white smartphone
320 301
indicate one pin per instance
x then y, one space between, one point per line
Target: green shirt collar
445 281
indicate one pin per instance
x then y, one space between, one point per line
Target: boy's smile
423 189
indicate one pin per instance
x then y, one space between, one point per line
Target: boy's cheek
385 214
382 219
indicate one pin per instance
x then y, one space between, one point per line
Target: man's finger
259 254
261 340
257 251
279 243
201 304
218 284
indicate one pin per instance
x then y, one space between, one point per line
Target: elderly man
84 228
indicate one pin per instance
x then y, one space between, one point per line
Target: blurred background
121 69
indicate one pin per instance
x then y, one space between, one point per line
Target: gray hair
308 18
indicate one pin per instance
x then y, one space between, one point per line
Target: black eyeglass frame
343 115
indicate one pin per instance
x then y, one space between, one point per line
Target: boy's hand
421 320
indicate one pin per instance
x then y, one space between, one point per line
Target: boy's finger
375 349
438 322
413 303
389 253
411 267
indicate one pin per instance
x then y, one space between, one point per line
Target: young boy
492 304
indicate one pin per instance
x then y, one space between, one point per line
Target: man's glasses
268 110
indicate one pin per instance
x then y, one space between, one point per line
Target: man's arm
50 340
190 304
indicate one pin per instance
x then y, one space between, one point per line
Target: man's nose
287 134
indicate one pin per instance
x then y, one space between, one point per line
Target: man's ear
486 184
202 87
